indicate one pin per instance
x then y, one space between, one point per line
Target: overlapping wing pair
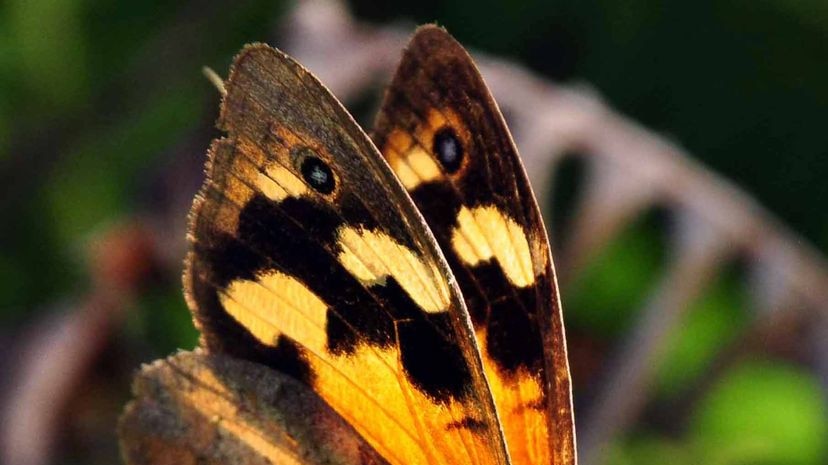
432 327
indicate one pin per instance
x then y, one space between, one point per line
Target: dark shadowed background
105 117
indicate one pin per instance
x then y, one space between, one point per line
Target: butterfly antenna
213 77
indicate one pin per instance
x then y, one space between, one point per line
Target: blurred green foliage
606 296
706 328
762 413
93 93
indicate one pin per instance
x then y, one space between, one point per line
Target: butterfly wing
444 136
307 255
203 408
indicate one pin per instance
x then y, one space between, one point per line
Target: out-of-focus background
696 306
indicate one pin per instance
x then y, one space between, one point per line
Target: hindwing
214 409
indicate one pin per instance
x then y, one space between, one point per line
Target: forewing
445 138
307 255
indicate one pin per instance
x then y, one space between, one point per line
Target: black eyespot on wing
448 149
318 174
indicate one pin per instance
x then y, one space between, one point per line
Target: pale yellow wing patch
412 165
483 233
278 183
372 256
277 304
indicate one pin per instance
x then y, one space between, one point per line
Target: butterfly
387 300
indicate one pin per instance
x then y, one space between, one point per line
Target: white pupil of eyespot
318 176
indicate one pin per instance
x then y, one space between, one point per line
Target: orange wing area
444 136
306 255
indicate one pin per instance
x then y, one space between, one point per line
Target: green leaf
763 412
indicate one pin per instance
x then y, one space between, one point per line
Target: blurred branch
629 170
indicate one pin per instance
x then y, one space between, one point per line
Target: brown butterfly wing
307 255
212 409
444 136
